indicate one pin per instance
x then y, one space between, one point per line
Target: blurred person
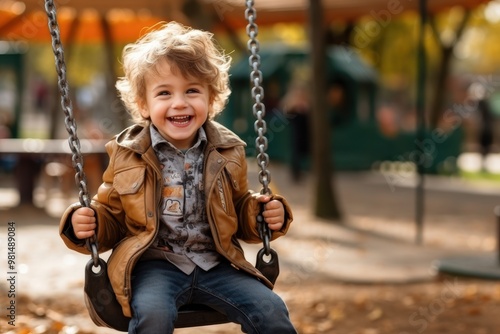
41 93
296 105
486 127
7 161
485 136
336 98
175 198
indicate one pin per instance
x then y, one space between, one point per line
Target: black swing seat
107 312
194 315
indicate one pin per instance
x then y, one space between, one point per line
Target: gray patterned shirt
184 237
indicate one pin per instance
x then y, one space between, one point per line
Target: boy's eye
164 92
193 90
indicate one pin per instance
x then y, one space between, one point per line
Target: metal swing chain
258 109
69 121
259 112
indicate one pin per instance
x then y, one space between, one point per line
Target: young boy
175 198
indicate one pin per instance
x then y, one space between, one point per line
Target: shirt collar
157 139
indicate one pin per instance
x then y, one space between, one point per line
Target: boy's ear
143 108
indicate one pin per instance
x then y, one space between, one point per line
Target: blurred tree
458 43
447 39
203 15
325 201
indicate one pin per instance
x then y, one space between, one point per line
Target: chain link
259 112
258 109
69 121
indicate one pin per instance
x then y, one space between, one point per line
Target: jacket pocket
129 181
129 184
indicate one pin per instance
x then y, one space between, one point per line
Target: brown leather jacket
127 203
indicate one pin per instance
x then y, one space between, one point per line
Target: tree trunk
440 87
325 202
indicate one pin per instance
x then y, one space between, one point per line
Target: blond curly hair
191 51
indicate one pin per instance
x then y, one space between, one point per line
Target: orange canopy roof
127 19
30 24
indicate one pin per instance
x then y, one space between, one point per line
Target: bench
32 155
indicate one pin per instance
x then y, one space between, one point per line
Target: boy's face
176 105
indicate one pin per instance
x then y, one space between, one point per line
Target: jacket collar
221 137
138 139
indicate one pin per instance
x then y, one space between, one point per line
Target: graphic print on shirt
173 199
169 239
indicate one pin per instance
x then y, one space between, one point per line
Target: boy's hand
84 222
274 212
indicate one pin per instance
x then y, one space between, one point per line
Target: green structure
352 81
357 141
11 85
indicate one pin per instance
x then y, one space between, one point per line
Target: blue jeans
159 289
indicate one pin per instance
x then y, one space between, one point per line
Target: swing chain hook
260 126
69 121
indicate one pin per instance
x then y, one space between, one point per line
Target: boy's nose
179 101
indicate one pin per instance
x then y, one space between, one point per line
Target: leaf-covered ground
446 305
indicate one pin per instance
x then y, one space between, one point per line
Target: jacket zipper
220 190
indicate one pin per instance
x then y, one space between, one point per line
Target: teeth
180 119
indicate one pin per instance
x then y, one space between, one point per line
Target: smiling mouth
180 120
